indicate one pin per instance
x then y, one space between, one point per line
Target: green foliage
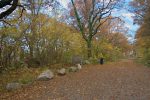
40 40
47 45
21 75
104 49
26 78
145 57
93 60
142 44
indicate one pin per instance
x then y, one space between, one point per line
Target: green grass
26 78
22 75
25 75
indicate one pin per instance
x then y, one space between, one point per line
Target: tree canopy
47 33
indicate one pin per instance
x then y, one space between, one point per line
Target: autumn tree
15 4
112 41
139 8
142 11
90 15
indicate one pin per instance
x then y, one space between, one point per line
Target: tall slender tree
90 15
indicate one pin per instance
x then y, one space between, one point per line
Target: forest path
124 80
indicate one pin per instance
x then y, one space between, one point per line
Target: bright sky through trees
124 13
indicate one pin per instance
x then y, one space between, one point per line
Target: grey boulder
79 66
87 62
13 86
61 71
46 75
77 59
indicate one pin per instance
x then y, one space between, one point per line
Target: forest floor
124 80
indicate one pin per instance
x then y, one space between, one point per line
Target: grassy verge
25 75
22 75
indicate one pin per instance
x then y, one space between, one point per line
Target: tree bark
89 49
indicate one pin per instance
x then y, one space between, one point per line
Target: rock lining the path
13 86
79 66
46 75
61 71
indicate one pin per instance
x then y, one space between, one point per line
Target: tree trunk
31 50
89 49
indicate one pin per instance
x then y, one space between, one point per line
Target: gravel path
123 80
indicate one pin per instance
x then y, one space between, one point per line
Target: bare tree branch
10 10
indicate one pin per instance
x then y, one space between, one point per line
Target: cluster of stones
46 75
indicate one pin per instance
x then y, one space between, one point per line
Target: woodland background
42 33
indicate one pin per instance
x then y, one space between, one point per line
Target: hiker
101 61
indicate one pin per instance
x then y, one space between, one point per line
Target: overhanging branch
10 10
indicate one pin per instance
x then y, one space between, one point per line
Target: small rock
13 86
77 59
61 71
73 69
46 75
79 66
87 62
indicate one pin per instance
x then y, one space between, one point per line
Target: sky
124 14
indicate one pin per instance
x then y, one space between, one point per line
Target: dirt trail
123 80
